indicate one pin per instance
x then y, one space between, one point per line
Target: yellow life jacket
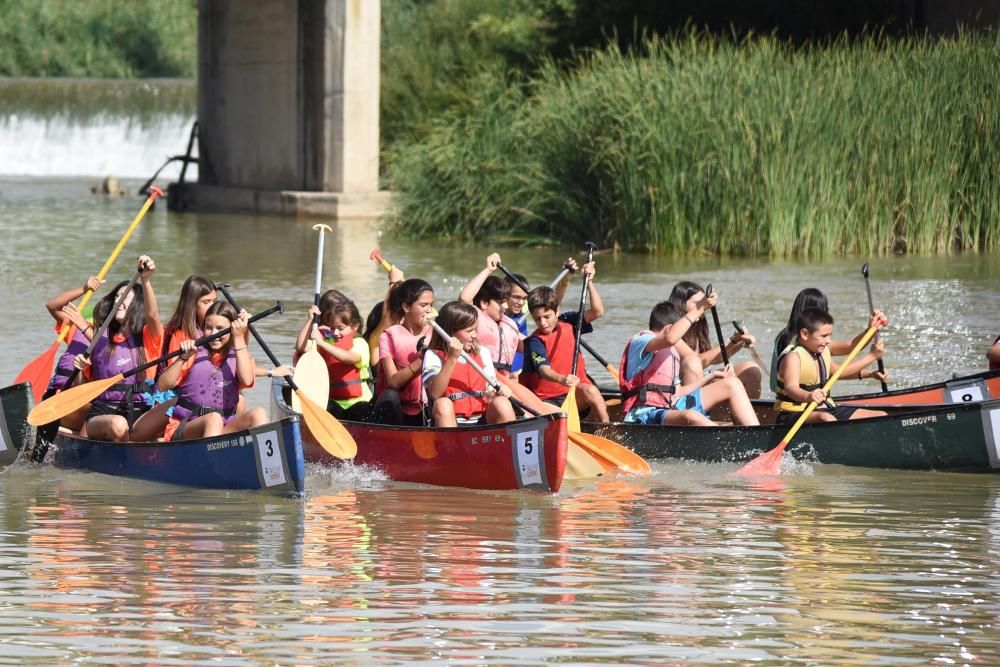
814 371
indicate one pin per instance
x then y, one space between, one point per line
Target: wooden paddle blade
580 464
610 454
312 377
58 406
329 433
768 463
572 412
39 371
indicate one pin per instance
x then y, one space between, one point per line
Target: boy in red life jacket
993 354
548 351
460 394
651 367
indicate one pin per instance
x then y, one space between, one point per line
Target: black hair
664 313
406 292
810 297
493 289
811 319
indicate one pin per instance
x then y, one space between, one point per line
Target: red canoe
966 389
526 454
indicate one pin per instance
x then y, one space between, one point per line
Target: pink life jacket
653 385
403 351
500 338
208 388
106 362
78 344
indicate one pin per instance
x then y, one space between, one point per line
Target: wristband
693 322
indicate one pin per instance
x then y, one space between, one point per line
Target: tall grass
98 38
704 145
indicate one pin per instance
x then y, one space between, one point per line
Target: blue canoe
266 458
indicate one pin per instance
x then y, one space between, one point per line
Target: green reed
706 146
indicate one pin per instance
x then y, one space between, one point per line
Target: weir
288 109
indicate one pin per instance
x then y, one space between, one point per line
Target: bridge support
288 109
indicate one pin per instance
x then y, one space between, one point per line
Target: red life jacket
345 379
559 347
653 385
466 388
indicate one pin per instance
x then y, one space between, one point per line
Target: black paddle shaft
718 330
578 331
871 307
204 340
253 330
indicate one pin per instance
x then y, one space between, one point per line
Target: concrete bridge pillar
288 108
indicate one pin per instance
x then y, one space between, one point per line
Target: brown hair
542 296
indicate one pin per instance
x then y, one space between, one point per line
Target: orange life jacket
466 388
345 379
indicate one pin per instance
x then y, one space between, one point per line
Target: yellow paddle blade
580 464
329 433
58 406
610 454
312 378
572 412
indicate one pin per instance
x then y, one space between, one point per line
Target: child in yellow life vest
805 366
345 353
458 392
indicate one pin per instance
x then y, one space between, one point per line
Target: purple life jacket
78 344
105 363
208 388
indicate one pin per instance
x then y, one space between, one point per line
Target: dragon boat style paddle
962 437
524 454
267 458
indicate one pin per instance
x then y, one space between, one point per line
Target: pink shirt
500 338
398 344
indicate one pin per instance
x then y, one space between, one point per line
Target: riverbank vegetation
705 145
98 38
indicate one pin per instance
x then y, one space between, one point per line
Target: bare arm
596 304
56 303
147 267
302 340
472 287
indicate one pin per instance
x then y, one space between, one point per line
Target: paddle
609 454
718 329
39 370
769 463
311 373
65 402
740 329
569 405
328 431
376 255
871 308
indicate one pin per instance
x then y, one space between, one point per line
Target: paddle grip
718 330
204 340
375 255
514 279
253 331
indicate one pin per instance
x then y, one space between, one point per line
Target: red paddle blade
39 371
768 463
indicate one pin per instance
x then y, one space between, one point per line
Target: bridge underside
288 103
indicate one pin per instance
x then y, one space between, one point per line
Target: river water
828 565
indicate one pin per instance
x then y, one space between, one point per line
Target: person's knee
443 407
118 429
825 416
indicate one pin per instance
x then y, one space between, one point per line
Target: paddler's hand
570 381
93 284
817 396
877 319
878 349
395 275
503 390
590 270
73 315
187 349
493 262
313 312
240 328
571 265
282 371
80 362
455 348
145 266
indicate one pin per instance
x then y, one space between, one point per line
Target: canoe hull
527 454
966 389
961 437
268 458
16 402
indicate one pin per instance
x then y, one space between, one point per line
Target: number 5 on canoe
69 400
